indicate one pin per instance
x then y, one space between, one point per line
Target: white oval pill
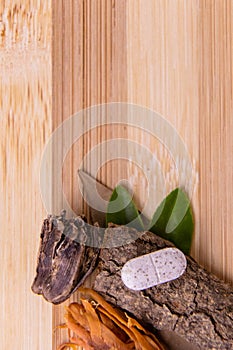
149 270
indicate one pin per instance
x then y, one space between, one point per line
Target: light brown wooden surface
25 124
186 48
89 68
215 137
173 56
163 64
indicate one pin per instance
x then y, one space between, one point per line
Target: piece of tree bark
197 306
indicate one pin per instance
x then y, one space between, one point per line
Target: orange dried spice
96 325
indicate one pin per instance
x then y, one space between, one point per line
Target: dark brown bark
64 259
197 306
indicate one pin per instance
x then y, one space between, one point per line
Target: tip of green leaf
173 220
122 209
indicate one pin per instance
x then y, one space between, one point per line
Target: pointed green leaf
173 220
122 210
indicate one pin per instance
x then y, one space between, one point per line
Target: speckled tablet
152 269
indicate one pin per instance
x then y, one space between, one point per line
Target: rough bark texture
197 306
66 257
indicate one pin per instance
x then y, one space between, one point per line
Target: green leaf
122 210
173 220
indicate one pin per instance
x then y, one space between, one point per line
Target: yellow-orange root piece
96 325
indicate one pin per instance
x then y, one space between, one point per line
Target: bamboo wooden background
25 124
174 57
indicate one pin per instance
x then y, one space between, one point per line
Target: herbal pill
152 269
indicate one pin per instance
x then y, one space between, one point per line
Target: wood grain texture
174 57
215 137
25 124
163 64
89 68
180 65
